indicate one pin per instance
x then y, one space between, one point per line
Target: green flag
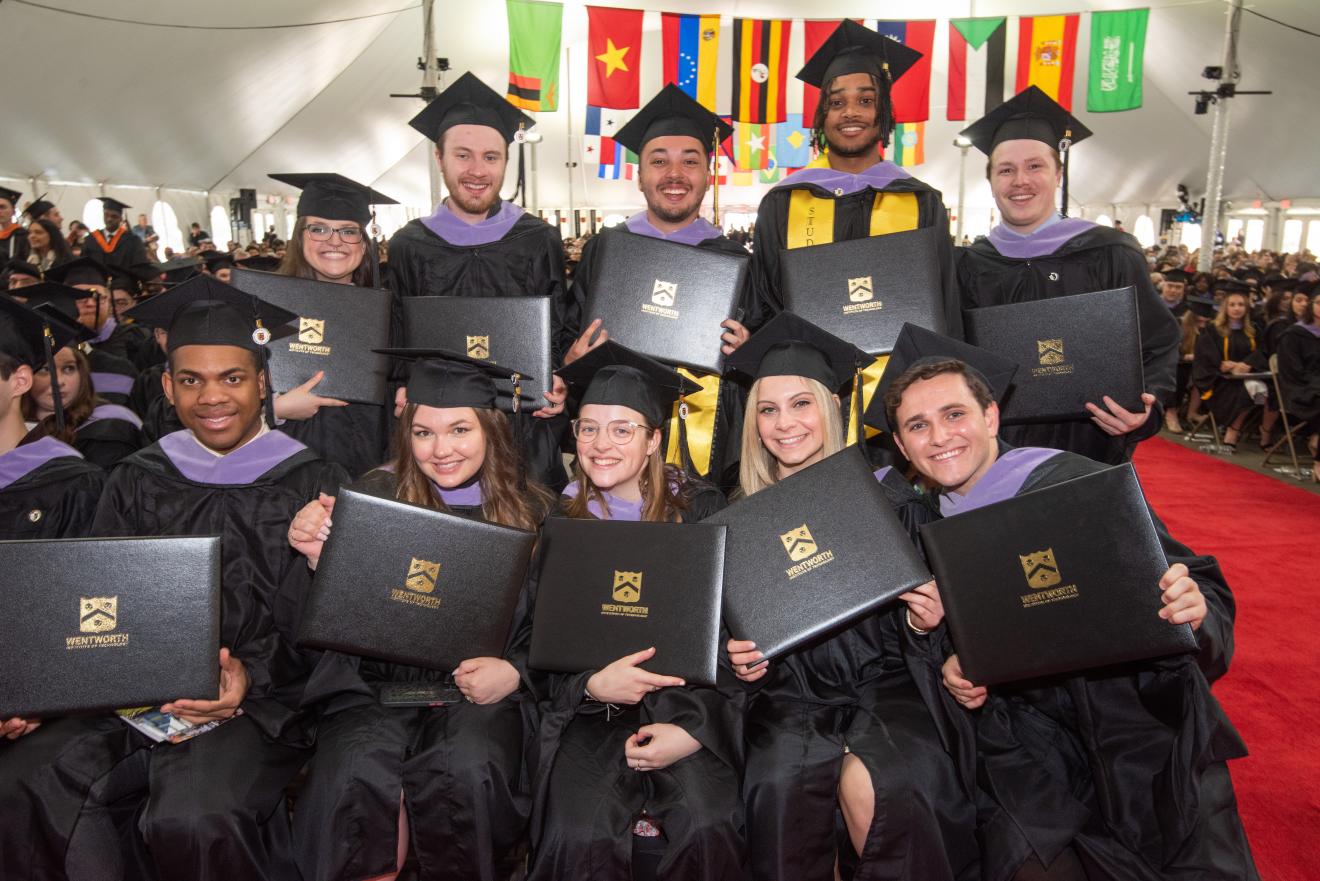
534 29
1118 44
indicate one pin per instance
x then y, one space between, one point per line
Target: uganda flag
534 29
760 69
1047 54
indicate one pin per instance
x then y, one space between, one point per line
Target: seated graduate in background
839 723
674 138
331 242
13 237
636 773
1299 377
215 805
1037 252
1226 346
115 245
1116 774
442 782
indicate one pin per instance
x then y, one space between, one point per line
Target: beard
673 213
865 149
472 204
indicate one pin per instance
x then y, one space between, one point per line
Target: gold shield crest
422 575
478 347
311 330
664 292
860 289
1050 351
98 614
799 543
627 586
1040 569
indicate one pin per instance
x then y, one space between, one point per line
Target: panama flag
911 92
691 49
976 66
600 148
1047 55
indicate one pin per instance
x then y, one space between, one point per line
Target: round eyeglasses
621 431
349 235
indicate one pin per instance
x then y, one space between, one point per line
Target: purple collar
620 509
1235 325
468 496
1312 329
26 458
112 411
1045 239
455 231
238 468
882 473
106 329
111 383
841 183
694 233
1002 481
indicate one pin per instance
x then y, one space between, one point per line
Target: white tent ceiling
235 94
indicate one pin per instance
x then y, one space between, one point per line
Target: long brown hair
665 506
295 261
76 411
507 497
1222 319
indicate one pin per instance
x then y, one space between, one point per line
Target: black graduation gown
1299 376
1098 259
54 499
1226 397
105 441
356 436
727 433
1274 331
527 261
113 376
1125 764
135 344
586 799
855 690
130 252
459 768
15 246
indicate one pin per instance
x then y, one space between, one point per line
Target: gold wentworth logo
860 289
98 614
311 331
799 543
1050 351
478 347
627 586
1040 569
422 575
664 292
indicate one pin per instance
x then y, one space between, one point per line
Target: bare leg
857 799
403 846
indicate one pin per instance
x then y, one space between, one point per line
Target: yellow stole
811 222
700 427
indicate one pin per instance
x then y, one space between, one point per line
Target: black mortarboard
1308 287
109 202
916 345
62 297
441 378
333 196
469 101
261 263
179 269
1231 286
83 270
1177 275
673 112
132 278
789 345
22 331
1272 279
853 48
613 374
66 330
10 196
204 311
21 267
1203 306
215 260
39 207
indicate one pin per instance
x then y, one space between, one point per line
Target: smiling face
851 119
333 259
612 467
472 161
38 238
448 444
1023 177
673 177
217 391
945 433
66 367
790 422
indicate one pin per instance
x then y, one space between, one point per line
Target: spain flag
1047 55
760 69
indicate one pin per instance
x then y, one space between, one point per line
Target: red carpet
1266 536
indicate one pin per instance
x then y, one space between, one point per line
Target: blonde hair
1221 320
759 469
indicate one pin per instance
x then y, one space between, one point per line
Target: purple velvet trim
240 467
1312 329
877 177
461 496
1235 325
694 233
1045 240
620 509
106 329
113 411
881 473
23 460
455 231
1002 481
112 383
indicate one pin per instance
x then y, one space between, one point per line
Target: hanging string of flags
755 74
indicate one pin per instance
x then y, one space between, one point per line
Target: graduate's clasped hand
234 684
311 527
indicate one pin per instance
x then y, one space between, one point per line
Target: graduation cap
917 345
61 297
334 196
179 269
856 49
31 338
10 196
82 270
132 279
1029 115
39 207
1178 276
1202 306
673 112
21 267
613 374
1308 287
1230 286
789 345
260 262
217 260
469 101
114 204
441 378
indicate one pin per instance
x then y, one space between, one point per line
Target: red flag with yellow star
614 57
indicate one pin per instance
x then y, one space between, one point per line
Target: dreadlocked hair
884 112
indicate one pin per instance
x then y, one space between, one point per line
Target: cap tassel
1064 151
855 405
48 345
261 336
684 456
372 252
715 176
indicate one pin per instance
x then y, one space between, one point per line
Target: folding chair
1289 429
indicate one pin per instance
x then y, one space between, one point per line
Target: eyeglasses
349 235
621 431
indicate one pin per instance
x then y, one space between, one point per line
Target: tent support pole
569 161
1212 219
430 84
